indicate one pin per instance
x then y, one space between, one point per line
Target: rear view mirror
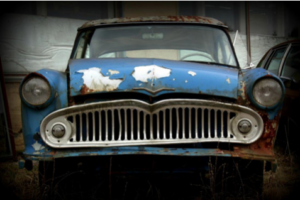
154 36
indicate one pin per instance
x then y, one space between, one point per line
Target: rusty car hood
152 77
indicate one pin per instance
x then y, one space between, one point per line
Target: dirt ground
23 184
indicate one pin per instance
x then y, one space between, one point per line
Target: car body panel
145 76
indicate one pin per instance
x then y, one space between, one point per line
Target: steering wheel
197 54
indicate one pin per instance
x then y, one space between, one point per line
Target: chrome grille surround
134 122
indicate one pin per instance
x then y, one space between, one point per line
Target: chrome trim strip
283 59
154 91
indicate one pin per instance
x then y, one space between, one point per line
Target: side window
291 67
276 60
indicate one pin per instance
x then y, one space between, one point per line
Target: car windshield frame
220 30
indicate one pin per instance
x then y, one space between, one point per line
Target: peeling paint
243 92
151 72
173 79
94 80
192 73
186 81
228 80
37 146
112 72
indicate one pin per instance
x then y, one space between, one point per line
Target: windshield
172 42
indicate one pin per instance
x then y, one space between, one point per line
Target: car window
291 67
276 60
263 61
171 42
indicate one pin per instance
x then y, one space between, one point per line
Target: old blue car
164 86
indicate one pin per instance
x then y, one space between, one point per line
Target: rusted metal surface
238 151
263 147
186 19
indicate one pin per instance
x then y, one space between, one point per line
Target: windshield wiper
209 63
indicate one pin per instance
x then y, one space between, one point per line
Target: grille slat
94 128
131 127
120 125
144 127
81 128
164 127
178 124
100 126
170 124
228 121
125 120
112 126
202 123
183 123
157 125
75 128
131 124
87 126
222 125
151 127
209 123
190 123
196 123
138 125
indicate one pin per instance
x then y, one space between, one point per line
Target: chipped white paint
186 81
192 73
173 79
37 146
243 92
95 81
140 84
143 73
112 72
228 80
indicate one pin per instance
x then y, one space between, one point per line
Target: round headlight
36 91
58 130
267 92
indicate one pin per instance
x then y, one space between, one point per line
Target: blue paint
32 117
250 77
209 79
105 151
21 164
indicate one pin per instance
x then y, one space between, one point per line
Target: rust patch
263 147
270 129
85 89
197 19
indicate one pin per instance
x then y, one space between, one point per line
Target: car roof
178 19
286 43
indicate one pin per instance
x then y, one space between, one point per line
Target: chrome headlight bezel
48 98
265 105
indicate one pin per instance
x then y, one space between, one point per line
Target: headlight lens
36 91
267 92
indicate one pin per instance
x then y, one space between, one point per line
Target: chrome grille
133 122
